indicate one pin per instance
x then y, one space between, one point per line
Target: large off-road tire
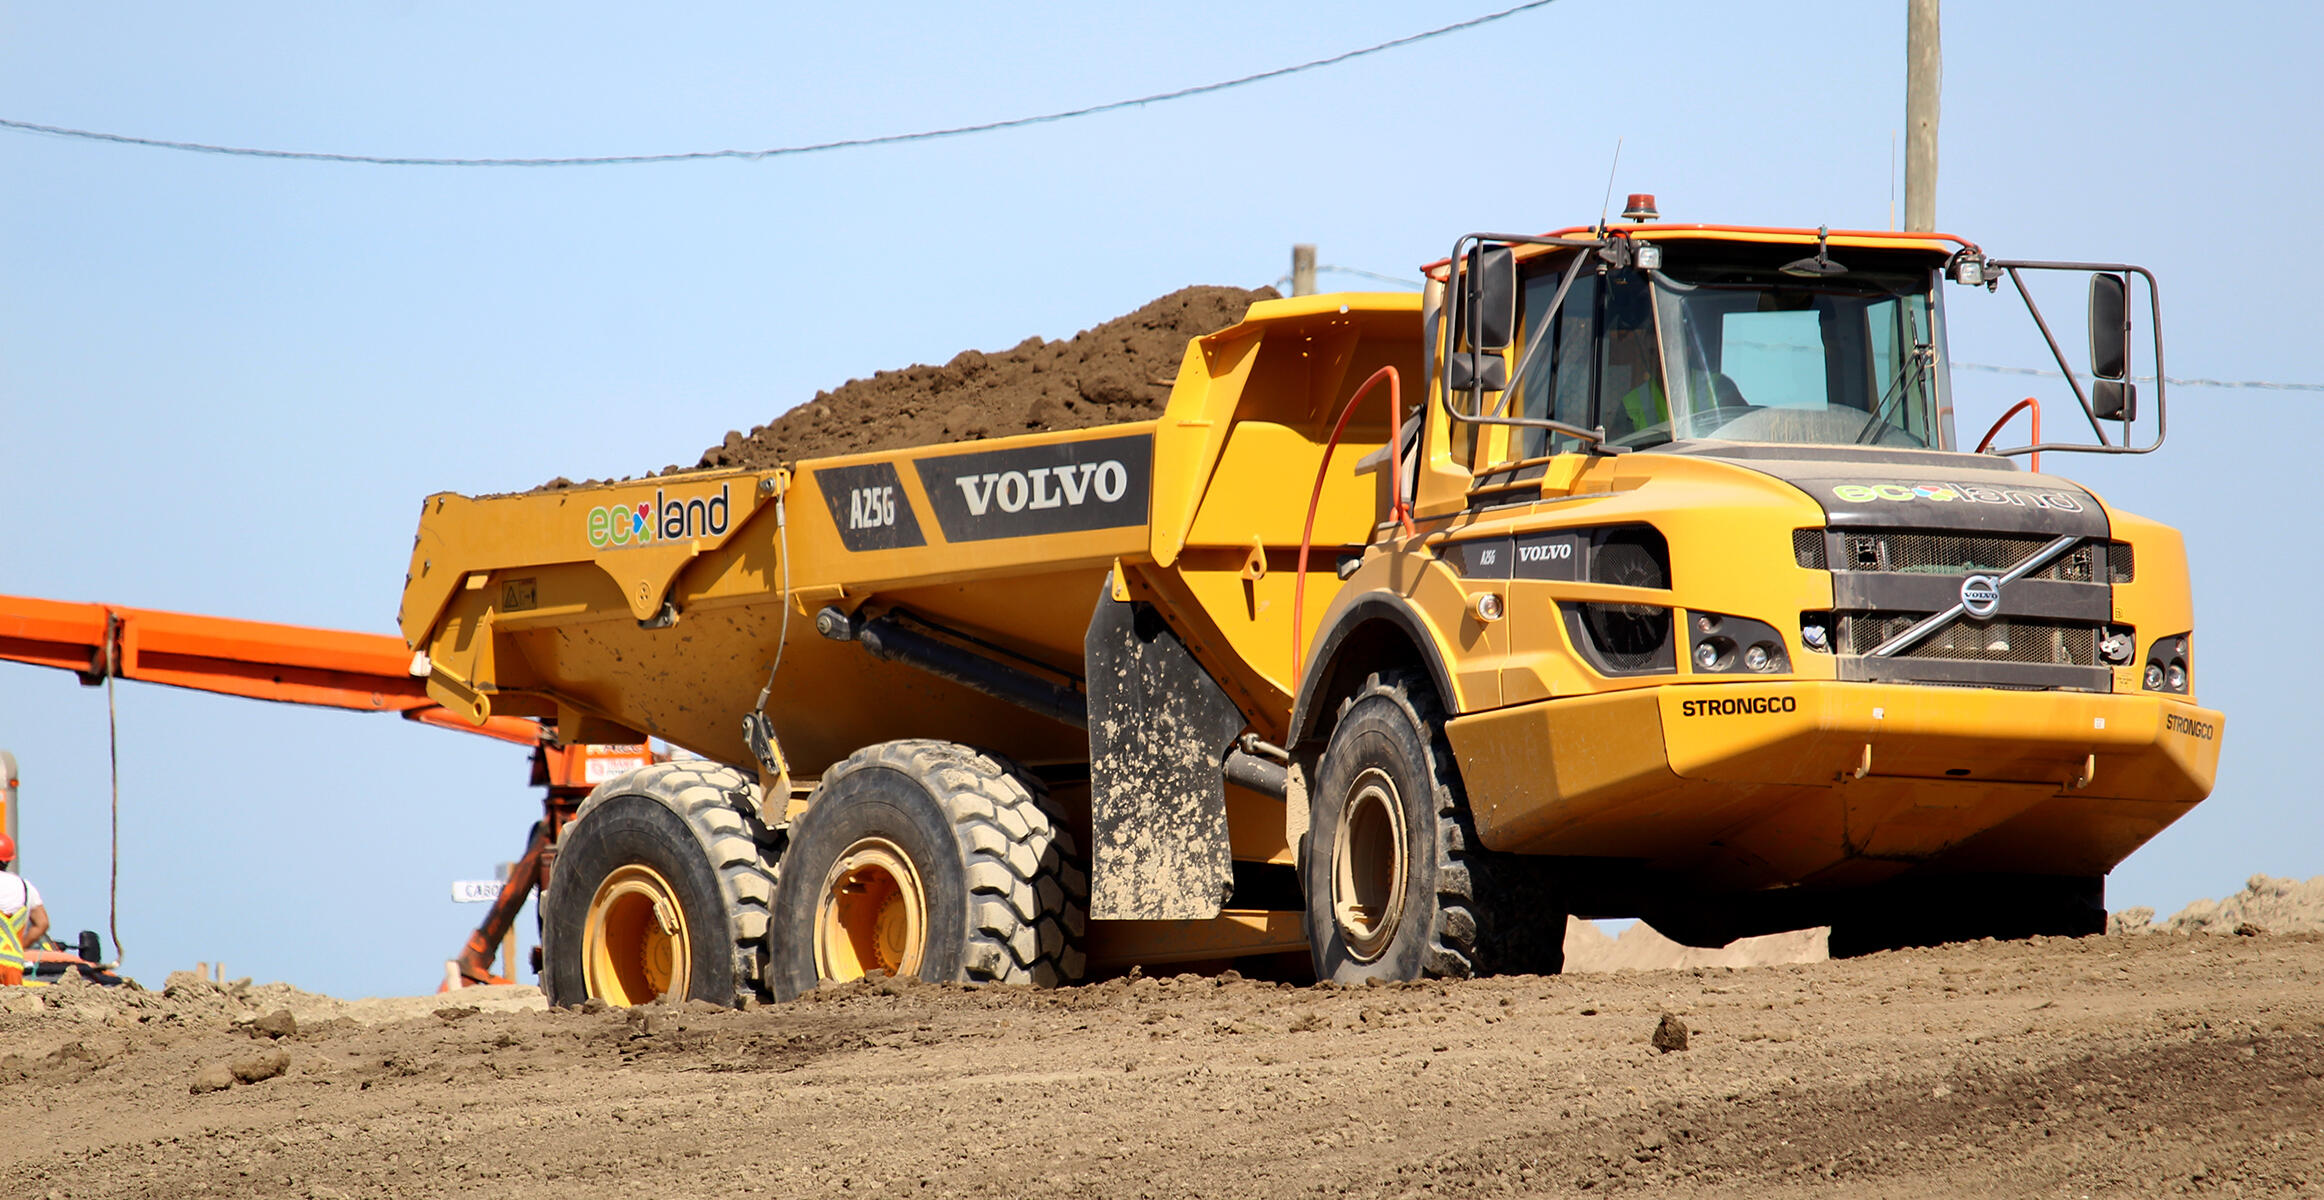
930 859
1964 908
661 889
1397 885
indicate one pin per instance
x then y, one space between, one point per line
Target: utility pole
1924 70
1303 269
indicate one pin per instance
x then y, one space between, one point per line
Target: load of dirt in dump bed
1119 371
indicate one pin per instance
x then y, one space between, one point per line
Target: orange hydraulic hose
1396 505
2014 409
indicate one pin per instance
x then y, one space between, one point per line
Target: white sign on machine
480 891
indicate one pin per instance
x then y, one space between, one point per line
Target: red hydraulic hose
2014 409
1396 505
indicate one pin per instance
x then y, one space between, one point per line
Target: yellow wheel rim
1369 866
635 947
872 914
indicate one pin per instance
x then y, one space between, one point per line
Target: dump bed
658 606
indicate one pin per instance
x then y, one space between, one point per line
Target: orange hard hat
7 849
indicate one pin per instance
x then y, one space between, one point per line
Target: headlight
1725 645
2169 664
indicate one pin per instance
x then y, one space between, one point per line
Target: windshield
1737 353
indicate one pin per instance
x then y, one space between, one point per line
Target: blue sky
226 384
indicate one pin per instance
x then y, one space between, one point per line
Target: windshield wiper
1908 370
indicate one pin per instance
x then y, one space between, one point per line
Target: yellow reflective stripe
12 937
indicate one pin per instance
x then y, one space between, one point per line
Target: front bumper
1768 784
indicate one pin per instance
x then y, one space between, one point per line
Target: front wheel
1397 886
933 860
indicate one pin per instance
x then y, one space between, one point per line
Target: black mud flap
1159 731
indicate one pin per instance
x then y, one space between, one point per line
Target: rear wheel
1964 908
933 860
1397 885
660 891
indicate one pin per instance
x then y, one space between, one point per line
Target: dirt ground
2126 1065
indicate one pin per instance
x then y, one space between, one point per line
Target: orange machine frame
296 664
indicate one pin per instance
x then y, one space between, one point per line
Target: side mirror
2114 400
2109 326
1491 292
1467 370
89 948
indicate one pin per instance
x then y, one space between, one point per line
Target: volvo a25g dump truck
1630 571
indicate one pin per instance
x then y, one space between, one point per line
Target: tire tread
721 806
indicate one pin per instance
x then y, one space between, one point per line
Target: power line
1407 284
2267 385
777 151
1399 281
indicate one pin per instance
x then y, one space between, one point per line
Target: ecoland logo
1947 493
662 519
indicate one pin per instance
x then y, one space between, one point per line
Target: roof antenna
1608 202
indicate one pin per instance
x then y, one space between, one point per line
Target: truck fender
1379 629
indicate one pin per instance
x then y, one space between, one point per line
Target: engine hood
1867 486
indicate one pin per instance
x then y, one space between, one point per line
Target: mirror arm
1548 320
2154 303
1595 437
1439 364
2080 397
2154 313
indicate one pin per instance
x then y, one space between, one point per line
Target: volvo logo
1980 595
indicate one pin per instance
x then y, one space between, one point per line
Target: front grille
1937 553
2003 639
1911 552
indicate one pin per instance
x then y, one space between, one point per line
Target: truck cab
1726 627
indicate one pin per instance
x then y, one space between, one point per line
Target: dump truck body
1770 647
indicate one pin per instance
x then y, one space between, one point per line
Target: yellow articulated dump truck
1637 570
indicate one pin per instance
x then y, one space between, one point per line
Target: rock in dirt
1670 1034
216 1077
262 1066
277 1024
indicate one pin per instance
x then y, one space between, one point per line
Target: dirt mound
1642 948
1119 371
2270 904
188 997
